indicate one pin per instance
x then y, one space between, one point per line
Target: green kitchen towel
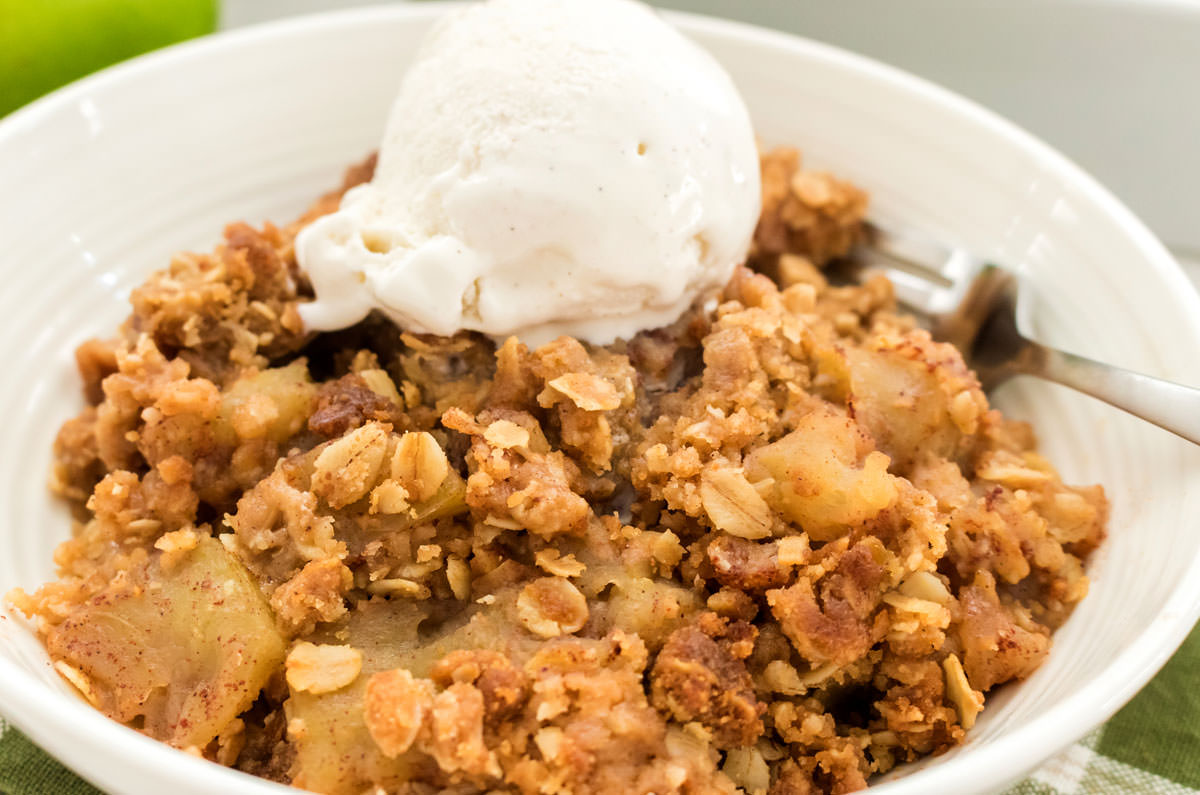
47 43
26 770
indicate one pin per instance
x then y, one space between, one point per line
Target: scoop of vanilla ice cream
549 167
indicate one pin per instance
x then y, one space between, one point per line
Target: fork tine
930 278
962 267
923 256
914 292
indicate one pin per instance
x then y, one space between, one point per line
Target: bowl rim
76 734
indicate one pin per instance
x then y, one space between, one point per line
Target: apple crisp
777 547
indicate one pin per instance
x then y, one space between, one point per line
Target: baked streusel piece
776 547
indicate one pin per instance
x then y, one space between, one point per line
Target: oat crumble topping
777 548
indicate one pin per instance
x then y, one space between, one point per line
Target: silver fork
971 303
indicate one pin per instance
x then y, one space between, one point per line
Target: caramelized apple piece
334 751
826 475
273 404
180 648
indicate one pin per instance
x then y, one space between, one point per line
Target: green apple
47 43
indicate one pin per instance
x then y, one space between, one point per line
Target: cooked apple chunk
180 647
334 751
826 475
272 404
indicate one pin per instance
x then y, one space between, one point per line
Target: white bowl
106 178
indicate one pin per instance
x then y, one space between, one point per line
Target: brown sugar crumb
314 595
516 480
699 676
746 565
396 706
776 547
806 213
840 626
348 403
96 361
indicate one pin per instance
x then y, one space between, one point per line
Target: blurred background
1111 83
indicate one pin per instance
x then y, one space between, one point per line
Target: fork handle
1168 405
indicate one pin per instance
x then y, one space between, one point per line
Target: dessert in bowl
970 176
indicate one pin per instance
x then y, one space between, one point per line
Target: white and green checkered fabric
1083 770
